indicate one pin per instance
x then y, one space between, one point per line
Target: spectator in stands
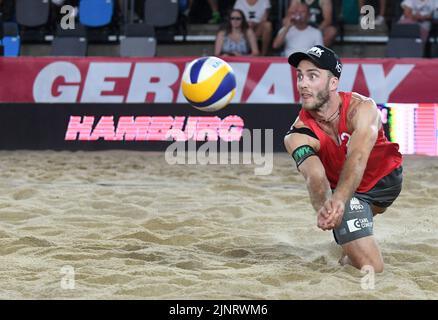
236 38
138 10
321 17
257 15
7 10
379 7
421 12
296 34
215 14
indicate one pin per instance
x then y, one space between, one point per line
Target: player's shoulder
361 107
358 99
299 123
299 134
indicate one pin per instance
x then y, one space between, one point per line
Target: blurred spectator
321 16
7 10
257 13
296 34
187 5
138 10
350 12
215 15
237 38
184 6
421 12
379 7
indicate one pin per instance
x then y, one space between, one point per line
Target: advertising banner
141 126
269 80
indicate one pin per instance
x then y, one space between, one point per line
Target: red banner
157 80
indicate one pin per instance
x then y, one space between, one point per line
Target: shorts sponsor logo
358 224
355 204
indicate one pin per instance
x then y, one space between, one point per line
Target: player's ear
334 82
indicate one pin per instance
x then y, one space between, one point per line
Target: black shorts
385 191
357 221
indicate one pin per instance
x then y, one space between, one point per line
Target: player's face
313 85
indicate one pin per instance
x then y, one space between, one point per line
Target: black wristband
302 153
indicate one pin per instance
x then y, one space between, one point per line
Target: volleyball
208 83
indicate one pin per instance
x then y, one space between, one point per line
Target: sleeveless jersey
383 159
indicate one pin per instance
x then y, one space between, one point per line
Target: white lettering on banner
43 84
62 81
349 73
95 83
381 87
142 82
278 79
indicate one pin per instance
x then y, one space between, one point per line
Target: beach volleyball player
352 172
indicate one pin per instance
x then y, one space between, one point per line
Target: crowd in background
311 22
247 27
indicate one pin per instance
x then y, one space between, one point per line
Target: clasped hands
331 213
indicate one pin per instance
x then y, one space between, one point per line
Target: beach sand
131 226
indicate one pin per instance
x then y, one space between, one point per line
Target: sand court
130 226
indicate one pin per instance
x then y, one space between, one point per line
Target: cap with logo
322 57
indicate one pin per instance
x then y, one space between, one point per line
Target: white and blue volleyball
208 83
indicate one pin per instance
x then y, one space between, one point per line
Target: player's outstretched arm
365 121
298 146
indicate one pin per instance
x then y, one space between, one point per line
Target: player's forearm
351 175
319 191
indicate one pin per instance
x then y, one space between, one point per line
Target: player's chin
307 105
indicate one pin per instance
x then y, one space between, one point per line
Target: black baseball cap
322 57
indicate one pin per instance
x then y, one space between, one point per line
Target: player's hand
338 208
323 216
322 221
331 213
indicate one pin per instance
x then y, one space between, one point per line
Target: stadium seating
70 42
138 41
96 13
32 13
11 40
405 41
161 13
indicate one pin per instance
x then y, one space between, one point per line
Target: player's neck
329 112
